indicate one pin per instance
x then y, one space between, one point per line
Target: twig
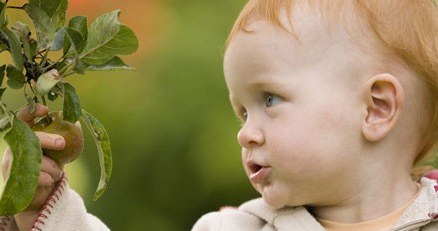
4 38
16 7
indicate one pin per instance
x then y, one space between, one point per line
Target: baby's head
335 97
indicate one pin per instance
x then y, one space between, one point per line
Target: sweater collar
423 210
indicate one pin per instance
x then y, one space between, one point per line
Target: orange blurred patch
144 17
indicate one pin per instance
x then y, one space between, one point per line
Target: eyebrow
255 86
274 86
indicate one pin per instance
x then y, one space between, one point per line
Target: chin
277 197
274 200
275 204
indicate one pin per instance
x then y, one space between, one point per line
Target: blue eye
271 100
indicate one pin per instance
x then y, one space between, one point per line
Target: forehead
309 40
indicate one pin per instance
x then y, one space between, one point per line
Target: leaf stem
51 65
62 70
4 39
44 61
44 100
47 119
40 53
69 73
16 7
31 88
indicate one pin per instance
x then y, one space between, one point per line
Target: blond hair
407 29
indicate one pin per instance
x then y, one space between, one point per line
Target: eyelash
268 102
243 114
269 97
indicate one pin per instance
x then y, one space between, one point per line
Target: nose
250 135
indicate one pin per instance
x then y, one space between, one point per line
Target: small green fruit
47 81
74 140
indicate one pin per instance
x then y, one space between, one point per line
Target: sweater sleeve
230 220
64 210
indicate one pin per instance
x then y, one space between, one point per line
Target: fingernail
59 143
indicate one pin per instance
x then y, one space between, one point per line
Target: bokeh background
172 130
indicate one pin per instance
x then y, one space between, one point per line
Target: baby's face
301 112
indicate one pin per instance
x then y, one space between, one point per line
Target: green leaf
2 13
108 38
2 73
79 23
114 64
2 90
24 34
72 108
75 39
74 43
24 169
103 145
15 48
54 9
16 78
58 41
3 47
44 25
5 118
33 47
80 67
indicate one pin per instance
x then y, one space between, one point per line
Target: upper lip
254 166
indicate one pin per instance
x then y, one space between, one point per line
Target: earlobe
385 100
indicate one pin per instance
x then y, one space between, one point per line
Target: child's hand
50 172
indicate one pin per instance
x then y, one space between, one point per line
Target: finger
45 180
40 198
51 141
7 156
78 124
50 167
27 116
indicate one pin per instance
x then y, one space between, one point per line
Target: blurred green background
172 130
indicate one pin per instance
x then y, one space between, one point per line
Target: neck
370 200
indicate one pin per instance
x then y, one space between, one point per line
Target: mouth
258 173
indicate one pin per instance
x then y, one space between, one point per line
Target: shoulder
257 215
231 219
228 219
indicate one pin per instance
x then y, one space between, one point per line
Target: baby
338 101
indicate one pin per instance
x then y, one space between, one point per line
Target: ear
385 100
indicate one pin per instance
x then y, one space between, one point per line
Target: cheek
291 146
312 140
244 157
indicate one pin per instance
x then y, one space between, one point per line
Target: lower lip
260 175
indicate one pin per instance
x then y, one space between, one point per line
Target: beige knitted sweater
256 215
64 210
